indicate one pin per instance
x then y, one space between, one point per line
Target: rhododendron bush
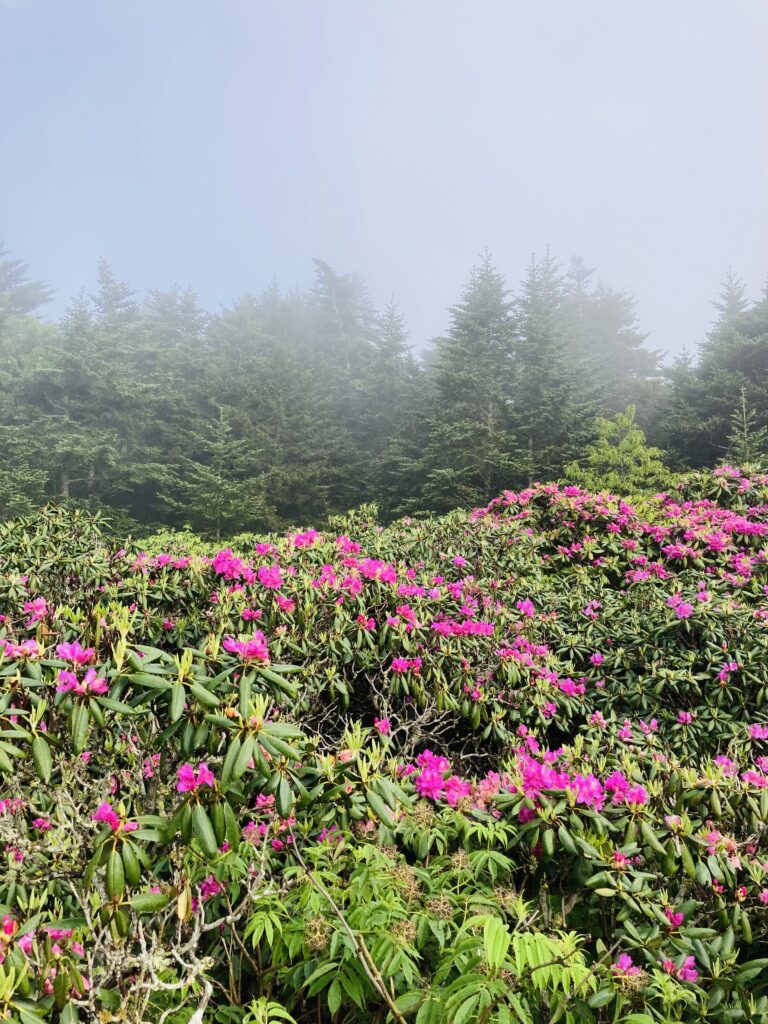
507 765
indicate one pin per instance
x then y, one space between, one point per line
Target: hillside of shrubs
507 766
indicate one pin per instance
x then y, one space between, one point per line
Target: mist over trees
284 408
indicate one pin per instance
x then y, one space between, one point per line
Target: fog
219 146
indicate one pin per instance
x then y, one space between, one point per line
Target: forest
284 408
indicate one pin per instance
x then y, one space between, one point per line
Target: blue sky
217 144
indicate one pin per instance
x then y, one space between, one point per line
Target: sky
221 144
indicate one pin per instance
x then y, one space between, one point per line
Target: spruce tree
747 442
619 460
552 397
467 450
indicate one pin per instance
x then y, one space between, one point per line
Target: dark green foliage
283 409
731 374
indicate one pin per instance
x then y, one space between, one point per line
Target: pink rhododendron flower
270 576
625 732
91 684
36 610
624 966
636 796
254 649
105 813
190 780
430 784
28 649
588 791
675 919
456 789
210 887
75 653
332 836
402 665
688 970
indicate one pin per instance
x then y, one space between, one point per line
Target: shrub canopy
507 765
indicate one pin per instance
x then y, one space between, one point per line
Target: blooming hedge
502 766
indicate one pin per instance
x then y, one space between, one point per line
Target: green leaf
410 1001
204 833
280 682
284 799
601 998
118 706
27 1016
41 755
243 758
115 876
334 998
153 682
651 839
496 940
205 697
149 902
230 760
379 808
80 719
69 1014
245 695
131 864
176 705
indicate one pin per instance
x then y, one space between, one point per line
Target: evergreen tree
732 358
748 443
552 396
601 325
320 405
467 451
619 459
223 490
19 295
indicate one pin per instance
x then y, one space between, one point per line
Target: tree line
284 408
